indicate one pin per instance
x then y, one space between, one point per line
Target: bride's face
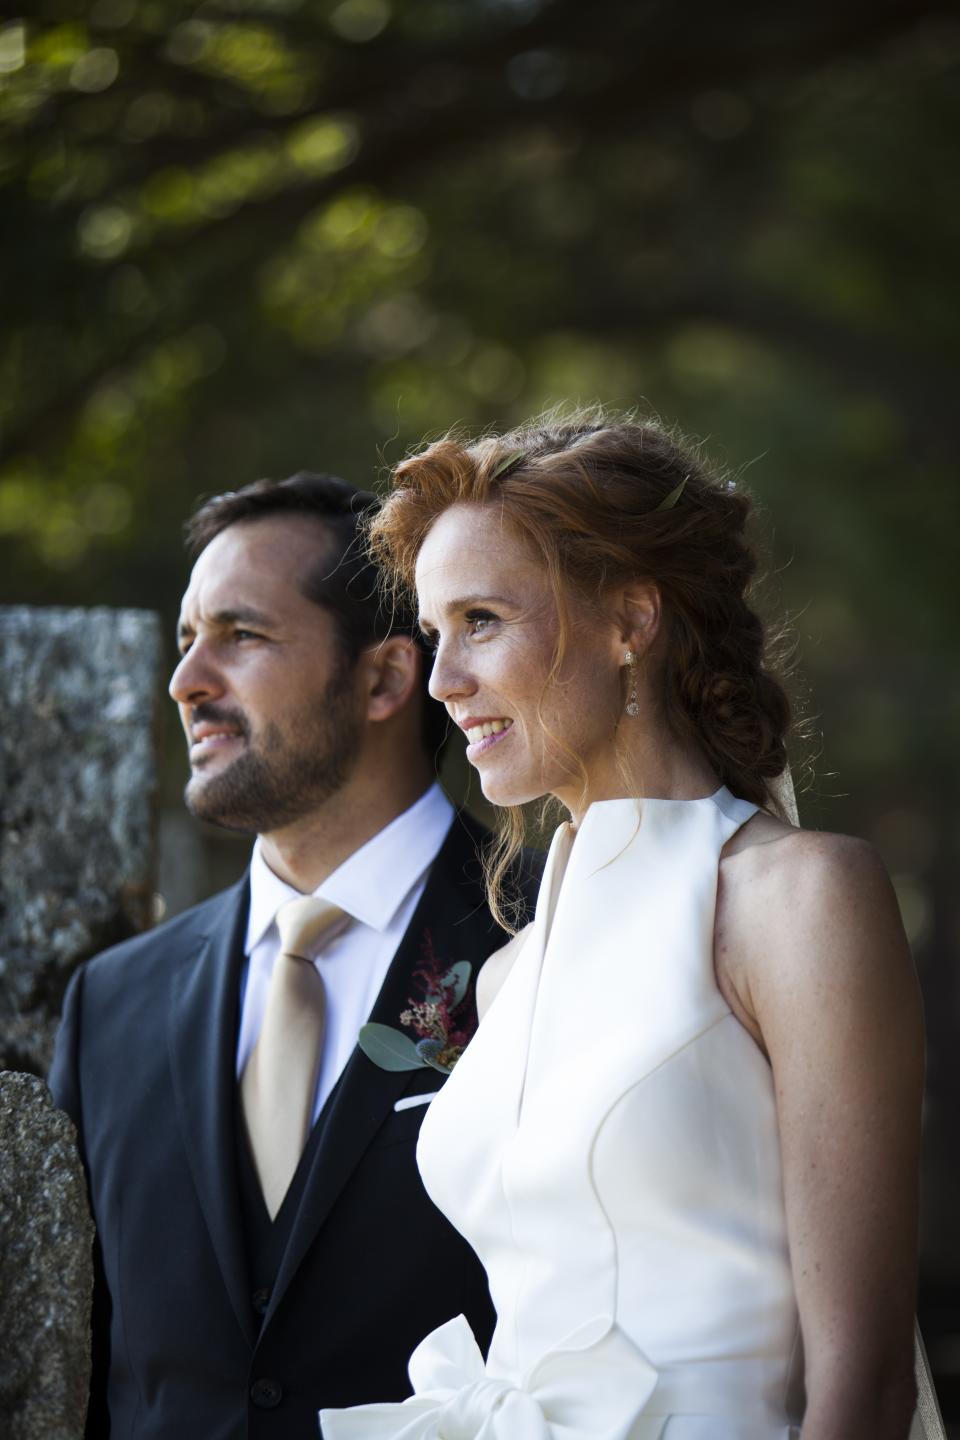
487 606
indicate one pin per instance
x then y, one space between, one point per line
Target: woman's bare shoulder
800 912
771 859
495 970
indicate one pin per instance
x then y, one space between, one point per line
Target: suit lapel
202 1038
452 916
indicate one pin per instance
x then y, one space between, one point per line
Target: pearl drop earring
632 705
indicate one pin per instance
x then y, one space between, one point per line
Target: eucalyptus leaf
389 1048
459 976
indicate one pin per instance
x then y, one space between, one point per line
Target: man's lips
203 746
208 729
207 737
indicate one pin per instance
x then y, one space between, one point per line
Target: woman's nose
448 679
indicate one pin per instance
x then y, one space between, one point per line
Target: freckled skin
489 604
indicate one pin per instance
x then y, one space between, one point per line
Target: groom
246 1278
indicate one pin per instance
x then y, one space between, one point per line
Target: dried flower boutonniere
439 1018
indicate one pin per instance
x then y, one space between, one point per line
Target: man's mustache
209 714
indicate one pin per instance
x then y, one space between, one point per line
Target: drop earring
632 706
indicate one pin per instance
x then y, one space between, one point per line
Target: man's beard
285 775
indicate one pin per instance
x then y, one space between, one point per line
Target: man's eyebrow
239 615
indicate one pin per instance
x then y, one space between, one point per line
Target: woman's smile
482 735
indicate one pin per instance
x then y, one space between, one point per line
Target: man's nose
194 678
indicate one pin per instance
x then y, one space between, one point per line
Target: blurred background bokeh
243 238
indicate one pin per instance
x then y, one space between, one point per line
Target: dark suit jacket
145 1065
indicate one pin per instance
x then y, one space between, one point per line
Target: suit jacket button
260 1300
266 1394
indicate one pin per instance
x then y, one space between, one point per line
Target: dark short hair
343 579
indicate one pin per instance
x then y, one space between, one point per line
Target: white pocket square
407 1102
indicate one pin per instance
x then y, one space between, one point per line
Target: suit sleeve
65 1085
63 1078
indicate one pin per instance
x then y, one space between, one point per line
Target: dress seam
599 1130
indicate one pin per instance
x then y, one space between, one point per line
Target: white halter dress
608 1144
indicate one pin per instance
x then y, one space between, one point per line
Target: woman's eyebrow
464 602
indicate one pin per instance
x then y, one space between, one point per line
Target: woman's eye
479 621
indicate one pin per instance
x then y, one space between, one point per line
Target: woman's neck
649 764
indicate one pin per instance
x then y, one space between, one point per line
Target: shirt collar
373 882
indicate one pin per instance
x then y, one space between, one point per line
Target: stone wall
46 1268
78 715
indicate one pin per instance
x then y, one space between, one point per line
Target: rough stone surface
46 1268
78 714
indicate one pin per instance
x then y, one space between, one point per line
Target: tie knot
305 923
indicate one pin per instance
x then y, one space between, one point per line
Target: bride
684 1140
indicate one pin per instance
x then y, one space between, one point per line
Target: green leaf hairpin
668 501
508 460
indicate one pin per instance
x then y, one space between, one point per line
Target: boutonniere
439 1017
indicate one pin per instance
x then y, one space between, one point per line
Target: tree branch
394 151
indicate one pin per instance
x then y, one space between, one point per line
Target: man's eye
246 635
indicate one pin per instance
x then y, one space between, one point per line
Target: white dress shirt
379 885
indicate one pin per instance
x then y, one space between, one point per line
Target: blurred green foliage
249 236
245 237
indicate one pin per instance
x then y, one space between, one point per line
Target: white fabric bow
591 1387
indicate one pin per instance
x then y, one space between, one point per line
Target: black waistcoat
265 1240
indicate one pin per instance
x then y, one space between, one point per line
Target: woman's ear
639 612
392 675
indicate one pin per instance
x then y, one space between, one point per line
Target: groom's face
268 700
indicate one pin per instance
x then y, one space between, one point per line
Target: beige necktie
278 1083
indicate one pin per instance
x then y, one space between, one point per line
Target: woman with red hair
684 1140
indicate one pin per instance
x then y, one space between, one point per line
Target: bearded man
265 1247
